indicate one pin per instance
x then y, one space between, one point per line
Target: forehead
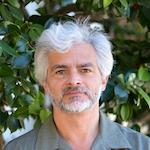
79 53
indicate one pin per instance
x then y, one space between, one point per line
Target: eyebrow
86 65
58 66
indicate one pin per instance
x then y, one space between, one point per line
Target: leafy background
127 22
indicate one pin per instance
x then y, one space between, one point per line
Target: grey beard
76 105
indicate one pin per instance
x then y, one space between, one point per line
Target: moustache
76 89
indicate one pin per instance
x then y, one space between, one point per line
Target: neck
78 128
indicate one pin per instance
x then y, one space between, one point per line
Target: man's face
74 82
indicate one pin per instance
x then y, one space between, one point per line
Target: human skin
75 68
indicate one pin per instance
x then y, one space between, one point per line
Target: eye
86 70
60 72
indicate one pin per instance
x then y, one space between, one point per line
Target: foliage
127 22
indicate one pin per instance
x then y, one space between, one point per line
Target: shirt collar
110 136
47 136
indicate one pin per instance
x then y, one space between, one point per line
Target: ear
45 86
104 82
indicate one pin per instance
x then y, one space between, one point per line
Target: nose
74 78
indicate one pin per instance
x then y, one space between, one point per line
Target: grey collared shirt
112 136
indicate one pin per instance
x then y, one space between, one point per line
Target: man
73 62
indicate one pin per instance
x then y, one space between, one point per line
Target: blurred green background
127 22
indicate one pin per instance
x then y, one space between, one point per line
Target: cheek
95 82
55 88
95 85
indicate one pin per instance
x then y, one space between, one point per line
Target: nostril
74 82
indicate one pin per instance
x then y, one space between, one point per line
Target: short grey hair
61 36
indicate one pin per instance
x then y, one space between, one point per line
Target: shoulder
136 139
122 137
24 142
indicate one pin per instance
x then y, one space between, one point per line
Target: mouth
73 93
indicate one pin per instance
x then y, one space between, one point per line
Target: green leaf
21 45
21 121
37 123
144 16
5 71
143 74
41 98
21 112
16 91
9 99
121 93
136 127
1 89
37 105
5 47
27 86
1 52
3 118
108 94
35 31
124 11
34 108
16 12
124 3
5 13
13 28
44 114
10 82
3 29
13 124
106 3
121 78
125 111
21 61
25 100
144 95
14 3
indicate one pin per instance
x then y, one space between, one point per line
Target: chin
76 106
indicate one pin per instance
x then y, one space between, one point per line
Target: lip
73 93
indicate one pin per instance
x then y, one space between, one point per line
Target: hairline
97 39
51 50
